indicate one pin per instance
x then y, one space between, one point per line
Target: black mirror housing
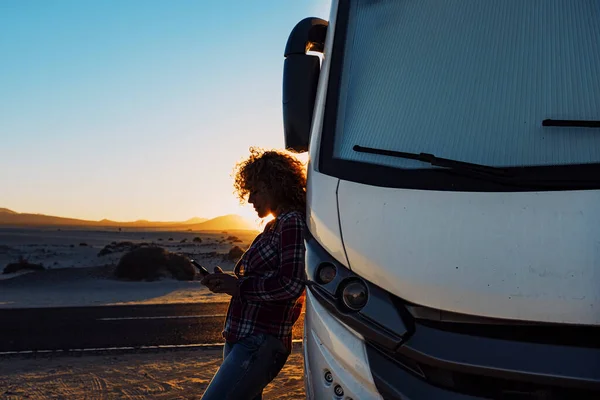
300 80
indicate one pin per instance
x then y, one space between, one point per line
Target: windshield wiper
571 123
510 177
437 161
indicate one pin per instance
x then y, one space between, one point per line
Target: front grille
478 385
497 388
587 336
551 334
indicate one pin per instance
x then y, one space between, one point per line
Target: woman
267 288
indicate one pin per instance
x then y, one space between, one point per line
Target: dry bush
235 253
234 239
115 247
152 263
22 265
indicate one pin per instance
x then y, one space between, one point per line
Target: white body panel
524 256
332 346
323 221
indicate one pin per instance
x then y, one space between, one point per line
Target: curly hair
283 174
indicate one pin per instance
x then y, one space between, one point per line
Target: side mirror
300 79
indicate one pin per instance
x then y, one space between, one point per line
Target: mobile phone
203 271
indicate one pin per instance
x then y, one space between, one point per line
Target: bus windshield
466 80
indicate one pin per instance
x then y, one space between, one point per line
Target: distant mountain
195 220
18 219
226 222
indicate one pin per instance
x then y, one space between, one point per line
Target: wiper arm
571 123
495 174
436 161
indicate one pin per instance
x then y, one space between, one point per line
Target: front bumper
330 346
392 352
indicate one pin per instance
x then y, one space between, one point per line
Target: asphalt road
113 326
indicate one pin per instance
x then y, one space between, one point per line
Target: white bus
453 197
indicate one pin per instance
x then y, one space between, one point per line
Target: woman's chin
262 214
259 213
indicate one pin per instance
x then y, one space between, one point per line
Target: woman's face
261 201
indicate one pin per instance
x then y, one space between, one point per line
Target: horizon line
127 221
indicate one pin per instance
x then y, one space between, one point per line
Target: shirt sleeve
288 281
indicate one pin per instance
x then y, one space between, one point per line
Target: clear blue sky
130 109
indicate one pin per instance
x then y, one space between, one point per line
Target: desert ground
76 275
180 374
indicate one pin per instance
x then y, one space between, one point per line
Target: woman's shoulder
289 218
292 216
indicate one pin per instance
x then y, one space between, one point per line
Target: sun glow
248 213
303 157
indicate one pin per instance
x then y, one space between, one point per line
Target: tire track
161 376
99 387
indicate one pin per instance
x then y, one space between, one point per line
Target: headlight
326 273
355 295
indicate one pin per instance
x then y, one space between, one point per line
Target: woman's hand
220 282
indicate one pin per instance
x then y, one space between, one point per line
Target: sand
96 287
180 374
77 276
62 248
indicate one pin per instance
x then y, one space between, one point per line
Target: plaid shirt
271 282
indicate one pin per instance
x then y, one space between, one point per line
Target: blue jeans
249 365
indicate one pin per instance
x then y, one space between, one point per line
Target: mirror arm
308 35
